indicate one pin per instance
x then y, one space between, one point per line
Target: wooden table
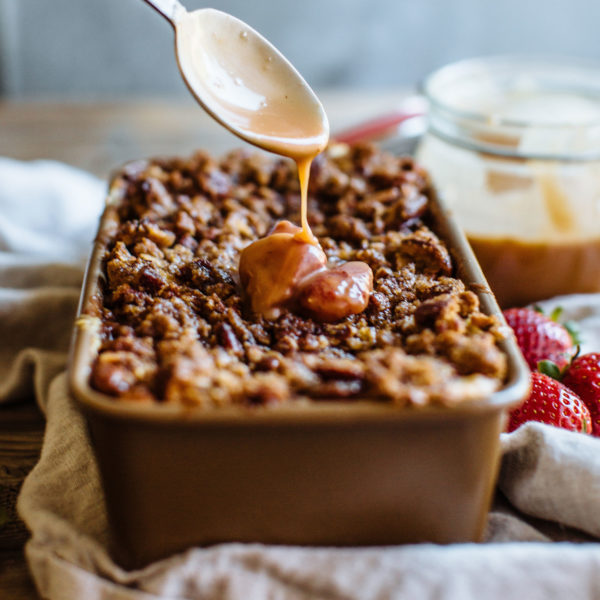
98 137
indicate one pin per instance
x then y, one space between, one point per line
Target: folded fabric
62 504
48 217
549 481
47 209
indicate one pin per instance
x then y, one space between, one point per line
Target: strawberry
553 403
541 337
583 377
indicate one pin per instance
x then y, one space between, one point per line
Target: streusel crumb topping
176 327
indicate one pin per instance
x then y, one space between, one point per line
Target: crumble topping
175 325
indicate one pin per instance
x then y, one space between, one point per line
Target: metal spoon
244 82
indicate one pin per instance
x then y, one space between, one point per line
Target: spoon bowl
245 83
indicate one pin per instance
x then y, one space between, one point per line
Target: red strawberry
552 403
583 377
540 337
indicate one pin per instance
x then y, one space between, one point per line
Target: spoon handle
169 9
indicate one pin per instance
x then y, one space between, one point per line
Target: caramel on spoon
245 83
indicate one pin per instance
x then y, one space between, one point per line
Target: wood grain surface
99 137
21 433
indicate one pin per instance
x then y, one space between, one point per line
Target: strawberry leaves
547 367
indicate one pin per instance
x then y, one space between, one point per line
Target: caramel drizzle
305 235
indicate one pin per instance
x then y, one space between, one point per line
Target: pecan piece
424 249
228 339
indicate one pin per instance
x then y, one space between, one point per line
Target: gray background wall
114 48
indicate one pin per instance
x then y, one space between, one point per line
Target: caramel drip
556 201
288 269
305 235
253 92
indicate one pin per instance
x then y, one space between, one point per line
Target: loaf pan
328 473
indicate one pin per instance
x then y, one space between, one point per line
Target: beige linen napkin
61 502
546 474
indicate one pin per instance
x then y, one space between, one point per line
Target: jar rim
518 106
581 74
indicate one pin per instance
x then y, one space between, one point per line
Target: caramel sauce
518 271
288 269
523 271
337 292
248 86
305 234
558 206
283 271
273 268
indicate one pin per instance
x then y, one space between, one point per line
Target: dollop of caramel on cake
283 271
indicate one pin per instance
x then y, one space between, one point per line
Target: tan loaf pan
332 473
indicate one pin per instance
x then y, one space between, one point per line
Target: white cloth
48 217
552 476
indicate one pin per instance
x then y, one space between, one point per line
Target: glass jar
513 146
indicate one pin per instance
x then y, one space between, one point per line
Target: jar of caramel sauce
513 146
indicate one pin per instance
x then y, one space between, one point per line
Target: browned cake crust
175 327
